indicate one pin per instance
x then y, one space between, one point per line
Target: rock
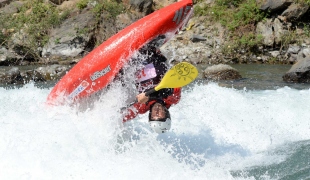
13 76
271 30
33 75
195 60
6 57
275 5
107 27
20 45
278 31
2 77
11 8
124 20
197 38
274 53
4 2
163 3
72 38
305 52
299 72
53 72
295 11
293 49
57 2
221 72
143 6
293 58
265 29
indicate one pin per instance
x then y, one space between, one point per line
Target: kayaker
158 102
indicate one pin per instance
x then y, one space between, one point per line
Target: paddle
179 75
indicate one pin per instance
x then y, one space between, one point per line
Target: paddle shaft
147 93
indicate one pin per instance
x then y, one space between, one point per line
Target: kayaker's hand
142 98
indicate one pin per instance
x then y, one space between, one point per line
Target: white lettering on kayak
79 89
101 73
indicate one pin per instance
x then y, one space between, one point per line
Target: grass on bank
302 1
113 7
240 18
35 18
30 26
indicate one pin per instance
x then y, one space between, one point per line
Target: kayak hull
98 68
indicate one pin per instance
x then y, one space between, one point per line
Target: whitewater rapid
215 131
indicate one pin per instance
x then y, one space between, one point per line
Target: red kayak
98 68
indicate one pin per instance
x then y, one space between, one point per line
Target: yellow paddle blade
178 76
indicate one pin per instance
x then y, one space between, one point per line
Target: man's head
159 118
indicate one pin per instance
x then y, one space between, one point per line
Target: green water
260 77
295 166
254 77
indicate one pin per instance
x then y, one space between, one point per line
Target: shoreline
254 77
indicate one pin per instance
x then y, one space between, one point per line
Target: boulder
6 57
125 19
266 30
299 72
295 11
293 49
271 30
278 31
13 76
274 5
4 2
197 38
33 75
304 52
11 8
52 72
142 6
72 38
221 72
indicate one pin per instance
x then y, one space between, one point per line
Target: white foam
214 130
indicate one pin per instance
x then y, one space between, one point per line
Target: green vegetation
228 2
81 4
32 25
98 8
112 6
302 1
239 17
288 38
244 12
307 30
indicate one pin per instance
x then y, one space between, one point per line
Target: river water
254 128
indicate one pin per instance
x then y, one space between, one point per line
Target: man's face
158 112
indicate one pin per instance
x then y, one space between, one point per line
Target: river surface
254 128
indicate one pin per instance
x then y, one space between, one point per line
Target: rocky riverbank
281 37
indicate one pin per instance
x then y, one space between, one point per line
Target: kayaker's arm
152 94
